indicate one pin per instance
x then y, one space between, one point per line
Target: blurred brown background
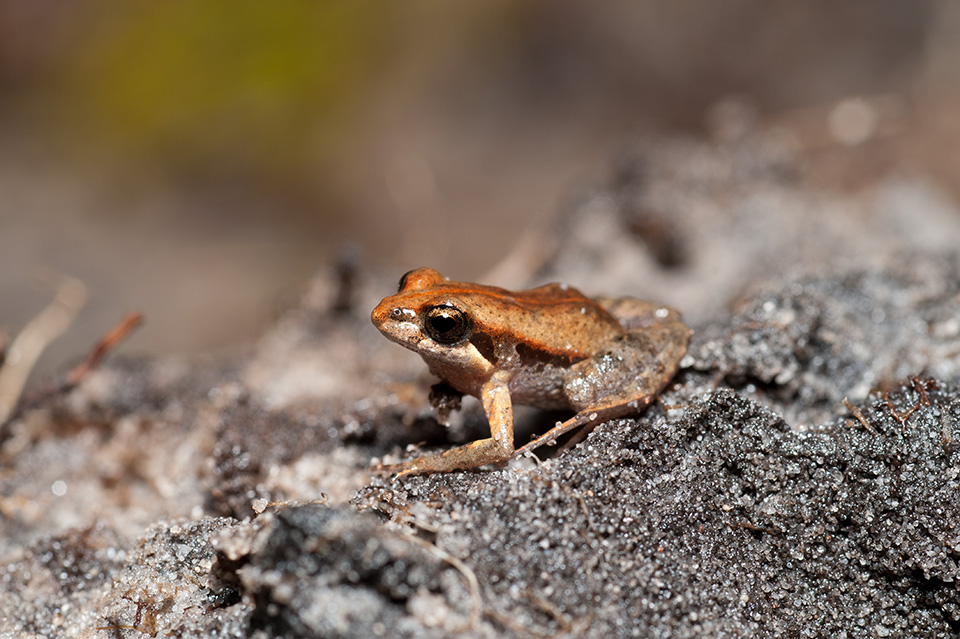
199 160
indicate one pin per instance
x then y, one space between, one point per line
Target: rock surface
799 478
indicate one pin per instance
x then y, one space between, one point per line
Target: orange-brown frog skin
550 347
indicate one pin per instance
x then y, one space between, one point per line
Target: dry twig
107 343
67 382
859 415
476 601
34 338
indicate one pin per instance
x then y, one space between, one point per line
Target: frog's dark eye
446 324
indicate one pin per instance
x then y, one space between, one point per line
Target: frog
550 347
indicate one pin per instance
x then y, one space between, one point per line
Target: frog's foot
589 417
472 455
446 399
395 471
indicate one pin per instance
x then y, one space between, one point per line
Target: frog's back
551 321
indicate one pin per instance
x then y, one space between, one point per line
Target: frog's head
426 316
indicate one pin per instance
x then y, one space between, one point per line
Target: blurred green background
198 160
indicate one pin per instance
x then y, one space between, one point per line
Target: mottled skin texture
549 347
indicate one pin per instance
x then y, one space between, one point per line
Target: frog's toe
395 471
405 472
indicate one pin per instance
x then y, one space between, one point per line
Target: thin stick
476 601
107 343
860 418
34 338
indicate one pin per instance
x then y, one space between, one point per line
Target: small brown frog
550 347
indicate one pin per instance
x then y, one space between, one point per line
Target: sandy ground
798 478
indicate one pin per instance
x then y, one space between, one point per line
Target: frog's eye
446 324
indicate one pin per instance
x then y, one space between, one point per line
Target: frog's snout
396 322
380 314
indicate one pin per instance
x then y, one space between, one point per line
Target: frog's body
549 347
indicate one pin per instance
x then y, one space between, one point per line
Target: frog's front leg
495 396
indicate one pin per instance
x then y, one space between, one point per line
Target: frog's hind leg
621 380
587 419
